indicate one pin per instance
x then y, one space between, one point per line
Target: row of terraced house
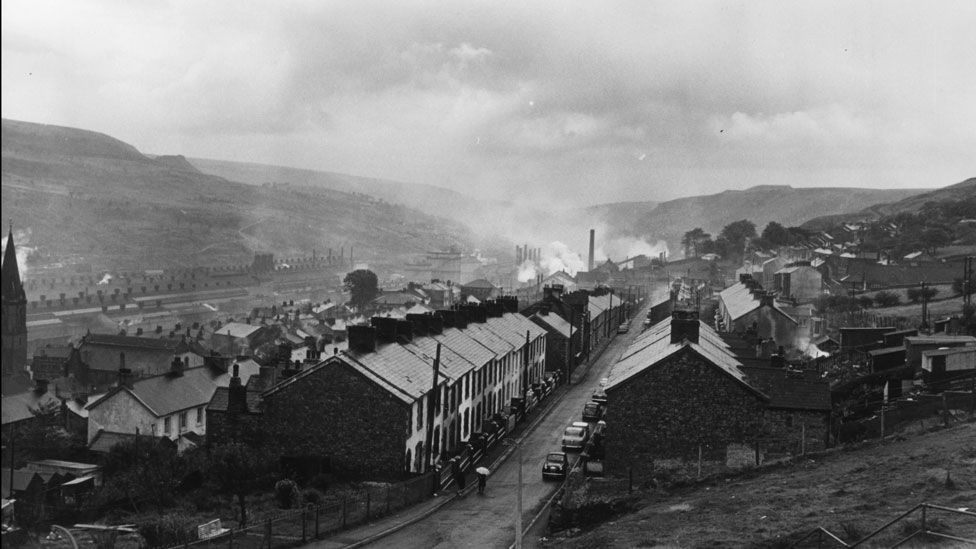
366 411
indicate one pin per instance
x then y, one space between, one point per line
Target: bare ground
850 492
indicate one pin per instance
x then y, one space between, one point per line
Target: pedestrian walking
458 473
482 478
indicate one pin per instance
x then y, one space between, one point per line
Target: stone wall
336 413
671 409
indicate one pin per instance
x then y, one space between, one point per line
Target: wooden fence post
368 499
343 512
304 525
318 509
803 438
699 460
269 533
945 410
388 487
230 539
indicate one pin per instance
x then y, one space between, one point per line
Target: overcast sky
588 102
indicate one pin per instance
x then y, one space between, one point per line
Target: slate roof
105 440
738 300
654 345
466 346
554 321
238 330
166 394
453 364
396 298
26 405
110 340
790 393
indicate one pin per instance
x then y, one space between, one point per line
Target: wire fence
293 528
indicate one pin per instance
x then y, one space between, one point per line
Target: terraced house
377 410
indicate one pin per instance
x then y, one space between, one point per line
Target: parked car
555 466
623 328
599 396
592 411
575 436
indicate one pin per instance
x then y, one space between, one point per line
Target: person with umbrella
482 478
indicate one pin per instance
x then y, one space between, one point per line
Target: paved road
488 520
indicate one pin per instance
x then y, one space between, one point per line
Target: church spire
12 288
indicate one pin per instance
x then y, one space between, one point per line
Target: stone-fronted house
799 282
679 393
95 363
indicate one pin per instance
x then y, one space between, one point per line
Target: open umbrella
482 471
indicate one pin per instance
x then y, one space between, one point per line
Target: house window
420 414
183 421
200 415
167 427
467 386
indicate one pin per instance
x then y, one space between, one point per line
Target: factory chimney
592 238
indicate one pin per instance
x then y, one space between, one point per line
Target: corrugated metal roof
238 329
790 393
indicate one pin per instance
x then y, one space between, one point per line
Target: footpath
373 531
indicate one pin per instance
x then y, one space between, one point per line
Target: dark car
555 465
592 411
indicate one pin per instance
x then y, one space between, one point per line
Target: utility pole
569 345
925 307
525 374
433 407
518 506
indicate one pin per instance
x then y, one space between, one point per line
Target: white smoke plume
559 257
105 279
619 249
527 271
22 240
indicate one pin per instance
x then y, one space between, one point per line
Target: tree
363 285
736 233
694 241
886 299
239 470
776 234
934 238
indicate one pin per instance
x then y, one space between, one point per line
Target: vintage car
555 466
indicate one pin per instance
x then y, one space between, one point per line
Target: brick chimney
40 386
125 374
553 291
494 309
176 367
362 339
684 326
477 313
237 397
404 330
386 328
767 299
745 278
418 324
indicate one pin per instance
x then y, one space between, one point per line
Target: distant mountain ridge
780 203
88 197
910 204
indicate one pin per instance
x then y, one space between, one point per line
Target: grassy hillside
910 204
783 204
87 197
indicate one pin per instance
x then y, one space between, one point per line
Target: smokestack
592 243
518 254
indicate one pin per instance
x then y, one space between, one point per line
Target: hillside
86 198
849 492
910 204
426 198
783 204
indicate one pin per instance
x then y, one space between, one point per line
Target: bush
886 299
865 302
312 496
167 530
916 295
287 494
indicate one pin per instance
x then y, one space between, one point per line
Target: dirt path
849 492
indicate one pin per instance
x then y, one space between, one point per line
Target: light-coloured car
575 436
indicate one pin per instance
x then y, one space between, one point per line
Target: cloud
549 99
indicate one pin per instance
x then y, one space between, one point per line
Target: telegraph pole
518 506
433 407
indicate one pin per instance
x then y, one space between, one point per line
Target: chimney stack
125 374
386 328
176 367
362 339
684 326
237 397
592 245
404 331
